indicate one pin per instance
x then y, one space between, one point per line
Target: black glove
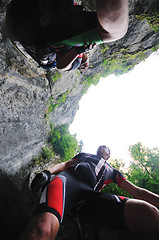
40 181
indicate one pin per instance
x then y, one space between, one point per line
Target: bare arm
113 19
140 193
64 62
61 166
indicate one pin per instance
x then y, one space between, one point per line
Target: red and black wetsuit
82 181
95 171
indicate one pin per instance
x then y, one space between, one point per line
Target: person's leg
113 18
141 218
43 226
48 216
104 210
57 198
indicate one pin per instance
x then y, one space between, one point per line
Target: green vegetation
61 98
90 80
45 157
51 106
122 62
155 48
153 20
56 76
63 143
60 142
104 48
118 63
143 170
113 188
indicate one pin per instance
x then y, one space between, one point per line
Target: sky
121 111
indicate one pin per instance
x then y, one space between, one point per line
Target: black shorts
104 211
65 22
66 191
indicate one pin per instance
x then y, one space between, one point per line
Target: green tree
63 143
144 169
113 188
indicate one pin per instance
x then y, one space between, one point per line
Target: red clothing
81 181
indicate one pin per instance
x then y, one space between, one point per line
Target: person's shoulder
94 157
79 155
84 154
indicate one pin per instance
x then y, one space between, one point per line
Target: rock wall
24 99
26 92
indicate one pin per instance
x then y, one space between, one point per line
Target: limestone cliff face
25 90
25 95
24 100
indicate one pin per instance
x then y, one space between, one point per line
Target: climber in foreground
40 27
81 179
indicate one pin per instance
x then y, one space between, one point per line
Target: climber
81 179
40 24
63 57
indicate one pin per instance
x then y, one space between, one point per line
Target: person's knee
142 218
43 230
46 226
49 225
113 18
42 226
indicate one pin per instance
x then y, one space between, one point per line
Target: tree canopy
143 170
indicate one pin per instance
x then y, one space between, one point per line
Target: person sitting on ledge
81 179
